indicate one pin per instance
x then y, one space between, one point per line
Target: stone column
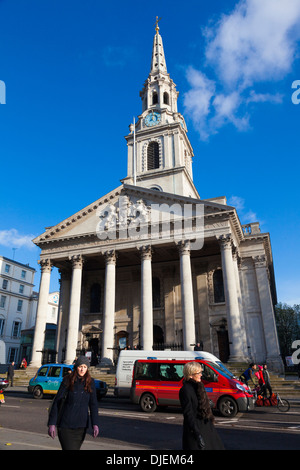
231 298
267 313
109 308
41 315
236 263
63 314
187 298
74 312
146 298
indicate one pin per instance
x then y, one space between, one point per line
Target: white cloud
246 216
256 43
13 239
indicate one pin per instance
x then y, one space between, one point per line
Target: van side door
170 376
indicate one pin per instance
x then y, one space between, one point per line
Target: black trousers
71 439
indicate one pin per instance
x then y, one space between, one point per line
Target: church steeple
159 151
158 63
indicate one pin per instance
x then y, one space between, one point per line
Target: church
151 265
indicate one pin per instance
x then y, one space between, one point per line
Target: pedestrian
199 346
266 377
11 373
248 374
199 432
70 409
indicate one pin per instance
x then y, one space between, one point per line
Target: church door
223 343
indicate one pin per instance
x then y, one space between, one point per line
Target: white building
17 303
151 262
18 307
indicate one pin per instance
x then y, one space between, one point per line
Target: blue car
48 378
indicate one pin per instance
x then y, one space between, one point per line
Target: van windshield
219 366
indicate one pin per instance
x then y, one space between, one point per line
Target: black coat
193 425
75 409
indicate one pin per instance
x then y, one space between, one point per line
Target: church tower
159 151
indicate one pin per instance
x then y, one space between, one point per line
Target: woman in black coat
69 412
199 432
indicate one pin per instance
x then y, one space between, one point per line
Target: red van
157 383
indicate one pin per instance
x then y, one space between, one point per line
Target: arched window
95 298
166 98
153 156
219 295
156 292
154 98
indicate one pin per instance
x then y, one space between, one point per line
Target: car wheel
228 407
148 403
37 392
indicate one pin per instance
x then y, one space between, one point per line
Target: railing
171 346
250 229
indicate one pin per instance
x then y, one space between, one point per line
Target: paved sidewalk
11 439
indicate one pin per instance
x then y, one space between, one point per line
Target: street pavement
12 439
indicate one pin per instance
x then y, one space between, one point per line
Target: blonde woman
199 432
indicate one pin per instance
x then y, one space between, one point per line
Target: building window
23 274
20 305
2 301
21 289
219 295
154 98
16 329
7 268
2 322
4 284
153 156
156 292
12 355
95 298
166 98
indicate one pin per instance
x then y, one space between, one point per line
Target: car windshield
219 366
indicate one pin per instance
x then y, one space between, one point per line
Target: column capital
225 242
184 247
145 252
46 265
77 261
110 257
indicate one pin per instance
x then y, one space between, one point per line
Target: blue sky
73 71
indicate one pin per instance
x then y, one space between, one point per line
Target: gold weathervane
156 24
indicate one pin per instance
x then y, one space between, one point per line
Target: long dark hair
73 376
204 410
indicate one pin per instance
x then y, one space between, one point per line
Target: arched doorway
122 339
158 336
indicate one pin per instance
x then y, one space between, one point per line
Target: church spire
158 63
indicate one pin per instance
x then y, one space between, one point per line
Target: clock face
152 119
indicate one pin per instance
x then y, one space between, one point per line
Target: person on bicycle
248 374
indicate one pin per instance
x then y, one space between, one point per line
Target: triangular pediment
122 206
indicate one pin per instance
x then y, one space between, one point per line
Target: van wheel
37 392
148 403
228 407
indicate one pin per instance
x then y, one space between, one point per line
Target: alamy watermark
296 354
296 94
136 220
2 92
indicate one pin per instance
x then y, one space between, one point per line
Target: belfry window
166 98
154 98
153 156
